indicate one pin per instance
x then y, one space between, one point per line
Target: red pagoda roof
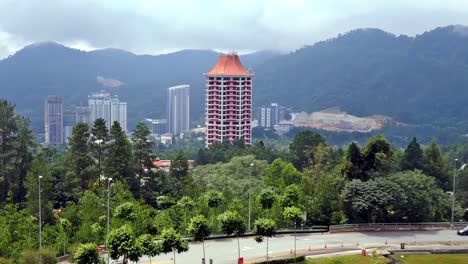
229 64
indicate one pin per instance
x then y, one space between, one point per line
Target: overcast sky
161 26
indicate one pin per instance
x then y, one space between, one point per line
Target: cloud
151 26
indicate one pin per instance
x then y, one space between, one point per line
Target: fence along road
224 251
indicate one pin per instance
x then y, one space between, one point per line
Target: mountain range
420 80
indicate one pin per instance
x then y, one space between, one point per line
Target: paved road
224 251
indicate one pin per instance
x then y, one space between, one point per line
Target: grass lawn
354 259
434 259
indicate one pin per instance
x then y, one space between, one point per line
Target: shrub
44 256
87 254
284 261
6 261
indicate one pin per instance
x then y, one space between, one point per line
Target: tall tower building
178 109
103 105
228 101
123 116
54 120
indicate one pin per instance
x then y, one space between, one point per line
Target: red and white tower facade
228 102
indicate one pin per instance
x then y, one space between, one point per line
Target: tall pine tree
24 144
352 167
142 145
413 158
119 159
436 165
79 163
99 139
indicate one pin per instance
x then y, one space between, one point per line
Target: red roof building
165 165
228 101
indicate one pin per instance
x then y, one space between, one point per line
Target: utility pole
108 219
40 214
250 195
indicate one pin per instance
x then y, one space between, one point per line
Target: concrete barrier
378 227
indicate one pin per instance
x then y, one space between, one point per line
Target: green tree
264 228
148 246
293 214
378 155
353 164
87 254
231 177
122 243
281 174
119 161
18 231
8 132
91 218
39 168
436 165
413 158
324 203
126 211
172 242
302 148
99 138
199 229
143 149
232 223
24 144
267 198
165 202
290 196
214 199
178 173
425 200
186 203
79 162
370 201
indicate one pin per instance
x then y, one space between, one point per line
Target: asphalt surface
224 251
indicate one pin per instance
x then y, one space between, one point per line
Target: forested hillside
419 80
416 80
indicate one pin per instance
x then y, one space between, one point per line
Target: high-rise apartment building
271 115
228 101
69 122
54 120
157 126
82 115
178 109
103 105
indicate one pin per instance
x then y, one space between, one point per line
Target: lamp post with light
453 190
108 218
40 214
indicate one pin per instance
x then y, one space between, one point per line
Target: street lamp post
40 214
250 194
99 143
108 218
453 190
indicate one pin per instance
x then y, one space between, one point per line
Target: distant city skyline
149 27
59 120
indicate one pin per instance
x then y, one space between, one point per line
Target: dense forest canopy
373 182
